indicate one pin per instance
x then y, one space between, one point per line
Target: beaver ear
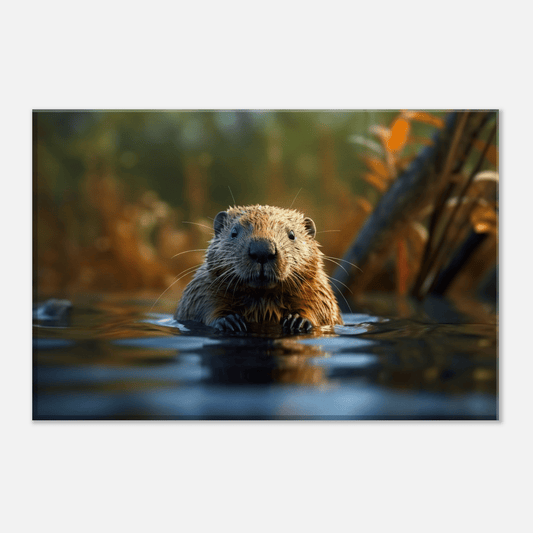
220 221
310 226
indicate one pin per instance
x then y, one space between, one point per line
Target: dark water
109 358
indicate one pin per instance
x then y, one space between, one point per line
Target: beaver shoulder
263 266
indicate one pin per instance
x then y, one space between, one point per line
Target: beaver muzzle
263 279
262 251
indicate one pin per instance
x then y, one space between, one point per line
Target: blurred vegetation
117 195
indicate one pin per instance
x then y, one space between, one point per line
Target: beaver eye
292 236
234 232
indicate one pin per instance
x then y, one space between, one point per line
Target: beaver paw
295 323
233 323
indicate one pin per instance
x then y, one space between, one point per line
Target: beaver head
263 247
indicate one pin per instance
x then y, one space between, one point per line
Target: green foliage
151 149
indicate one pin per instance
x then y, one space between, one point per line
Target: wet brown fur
294 283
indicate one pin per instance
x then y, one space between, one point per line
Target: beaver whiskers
344 261
185 272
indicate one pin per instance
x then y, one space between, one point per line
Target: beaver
263 266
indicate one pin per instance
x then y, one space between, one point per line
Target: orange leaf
376 181
491 154
363 204
377 166
399 133
419 231
426 118
484 219
381 132
487 175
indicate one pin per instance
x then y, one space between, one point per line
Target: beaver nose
262 251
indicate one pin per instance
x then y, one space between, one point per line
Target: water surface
110 357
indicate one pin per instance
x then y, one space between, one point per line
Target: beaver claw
233 323
295 323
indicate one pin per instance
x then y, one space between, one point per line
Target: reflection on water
108 358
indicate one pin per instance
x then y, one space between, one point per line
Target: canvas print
265 265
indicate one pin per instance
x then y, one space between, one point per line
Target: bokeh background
118 194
